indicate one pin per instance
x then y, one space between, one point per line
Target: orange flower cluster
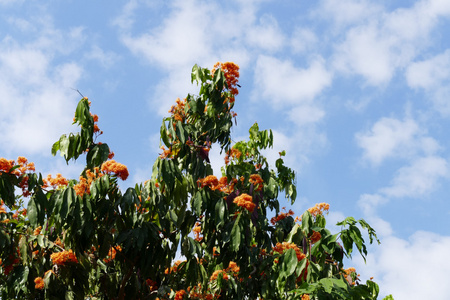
166 152
111 166
231 154
24 166
319 208
178 110
348 275
231 71
217 273
5 165
281 247
257 181
233 267
152 285
305 297
39 283
245 201
196 293
197 232
112 253
281 216
174 268
180 294
213 183
37 231
316 210
14 260
2 208
64 257
315 237
96 128
56 182
59 243
83 186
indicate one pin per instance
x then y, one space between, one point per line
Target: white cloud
431 73
419 178
267 35
281 83
36 92
179 40
367 53
391 137
306 114
348 12
413 268
105 58
369 203
303 39
433 76
376 47
7 2
192 33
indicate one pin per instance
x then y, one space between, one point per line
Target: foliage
86 239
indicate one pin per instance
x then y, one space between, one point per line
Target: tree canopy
185 233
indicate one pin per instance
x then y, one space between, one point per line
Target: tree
86 239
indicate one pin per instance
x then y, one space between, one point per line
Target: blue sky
357 92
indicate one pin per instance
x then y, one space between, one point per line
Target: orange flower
5 165
55 182
233 267
315 237
64 257
167 153
232 154
348 275
245 201
231 71
112 253
151 284
281 216
82 187
197 232
180 295
111 166
256 180
210 181
281 247
39 283
305 297
37 231
316 210
319 208
216 274
174 268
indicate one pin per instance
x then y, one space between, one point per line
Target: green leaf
55 148
33 212
236 234
220 212
181 133
97 155
164 136
289 263
307 222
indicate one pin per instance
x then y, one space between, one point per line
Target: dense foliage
87 239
